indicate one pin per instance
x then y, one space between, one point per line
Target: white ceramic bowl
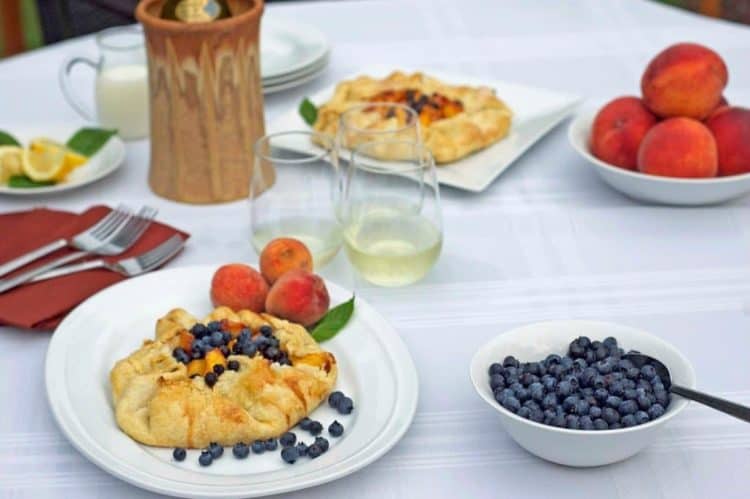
652 188
577 447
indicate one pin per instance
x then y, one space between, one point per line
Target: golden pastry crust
156 403
479 120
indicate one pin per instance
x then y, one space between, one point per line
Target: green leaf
24 182
7 139
333 322
308 111
88 141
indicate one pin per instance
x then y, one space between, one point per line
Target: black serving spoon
738 411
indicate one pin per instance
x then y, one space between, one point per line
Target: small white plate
297 75
375 369
535 112
287 47
108 159
653 188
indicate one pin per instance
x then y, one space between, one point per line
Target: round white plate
278 87
653 188
375 369
107 160
287 46
297 75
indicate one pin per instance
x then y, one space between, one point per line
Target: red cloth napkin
42 305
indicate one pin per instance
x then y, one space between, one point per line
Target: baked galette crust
484 119
156 403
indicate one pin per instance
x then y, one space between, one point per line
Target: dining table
546 240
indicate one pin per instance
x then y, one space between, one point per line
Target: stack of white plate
290 53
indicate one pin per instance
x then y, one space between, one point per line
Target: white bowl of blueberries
568 392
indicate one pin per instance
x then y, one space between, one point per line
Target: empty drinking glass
292 194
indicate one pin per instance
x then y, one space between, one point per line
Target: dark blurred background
28 24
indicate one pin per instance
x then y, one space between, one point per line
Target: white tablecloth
546 240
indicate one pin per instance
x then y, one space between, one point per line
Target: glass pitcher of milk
121 89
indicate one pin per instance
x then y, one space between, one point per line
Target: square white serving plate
535 112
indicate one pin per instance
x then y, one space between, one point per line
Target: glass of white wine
292 193
390 213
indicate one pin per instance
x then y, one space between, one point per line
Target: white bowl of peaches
681 142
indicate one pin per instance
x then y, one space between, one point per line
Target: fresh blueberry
521 394
628 420
537 392
206 347
218 369
237 348
315 428
604 366
549 401
511 361
599 381
214 326
609 342
656 411
322 443
265 330
559 421
249 349
215 449
496 368
259 447
217 338
210 379
314 451
227 337
271 444
601 394
566 363
570 404
600 424
512 404
595 412
537 415
587 377
290 454
205 458
549 416
272 353
527 379
497 381
335 398
632 373
576 351
245 336
233 365
552 359
601 353
199 330
648 371
564 389
224 350
630 394
617 389
511 373
641 417
302 448
179 454
288 439
572 422
335 429
627 407
534 368
586 423
305 423
615 426
549 382
610 415
613 401
628 383
582 407
644 402
240 450
346 406
657 387
524 412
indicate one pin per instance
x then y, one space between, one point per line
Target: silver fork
88 240
129 267
122 239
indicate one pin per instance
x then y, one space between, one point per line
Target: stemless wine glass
390 213
291 193
377 122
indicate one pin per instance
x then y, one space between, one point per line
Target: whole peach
239 287
298 296
685 79
618 129
678 147
731 128
282 255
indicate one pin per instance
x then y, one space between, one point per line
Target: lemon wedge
46 160
10 162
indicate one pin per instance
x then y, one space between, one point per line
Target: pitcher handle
67 87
